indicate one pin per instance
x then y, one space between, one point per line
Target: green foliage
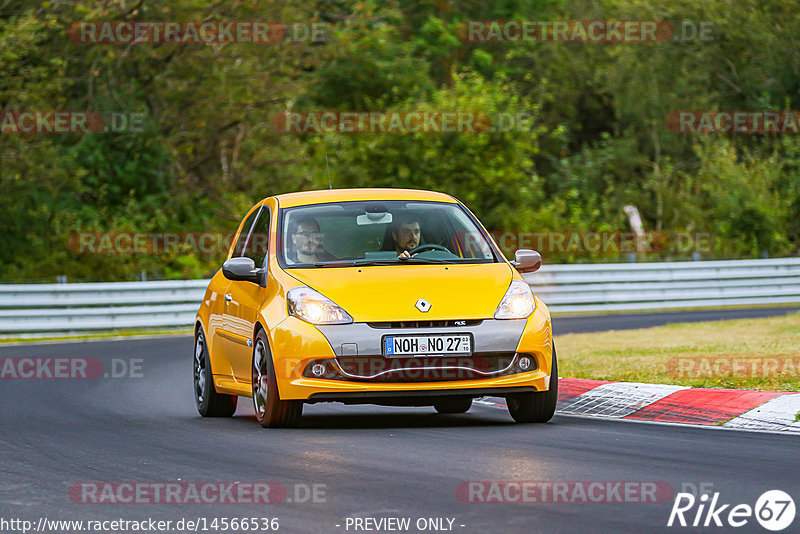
595 136
374 67
739 192
490 172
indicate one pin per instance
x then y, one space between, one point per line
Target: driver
406 234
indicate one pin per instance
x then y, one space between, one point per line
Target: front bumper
414 398
297 345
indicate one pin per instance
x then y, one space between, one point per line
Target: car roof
303 198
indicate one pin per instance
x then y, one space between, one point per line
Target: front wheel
209 402
271 411
539 406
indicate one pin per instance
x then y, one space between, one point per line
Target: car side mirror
241 269
527 260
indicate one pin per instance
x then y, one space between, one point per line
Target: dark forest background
597 139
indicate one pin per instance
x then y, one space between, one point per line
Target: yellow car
383 296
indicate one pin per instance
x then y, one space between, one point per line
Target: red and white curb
771 411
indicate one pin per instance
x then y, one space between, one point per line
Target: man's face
407 236
307 238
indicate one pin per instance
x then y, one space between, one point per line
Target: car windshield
342 234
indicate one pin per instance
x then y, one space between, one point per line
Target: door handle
228 298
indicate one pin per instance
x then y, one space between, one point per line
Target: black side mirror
526 260
241 269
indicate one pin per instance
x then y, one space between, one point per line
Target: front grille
419 369
425 324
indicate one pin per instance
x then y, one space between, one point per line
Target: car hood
388 293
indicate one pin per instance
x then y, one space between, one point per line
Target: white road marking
618 399
778 414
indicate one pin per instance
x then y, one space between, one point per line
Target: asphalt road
373 461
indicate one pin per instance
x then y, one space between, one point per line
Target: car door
243 300
218 333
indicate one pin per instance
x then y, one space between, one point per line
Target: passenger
307 241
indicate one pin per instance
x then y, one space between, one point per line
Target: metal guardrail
565 288
99 306
657 286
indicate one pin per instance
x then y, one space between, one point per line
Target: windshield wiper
423 260
353 263
365 262
359 263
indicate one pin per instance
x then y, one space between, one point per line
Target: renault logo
423 305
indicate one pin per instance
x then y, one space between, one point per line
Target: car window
241 239
334 233
256 246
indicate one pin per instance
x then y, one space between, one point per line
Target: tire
271 411
539 406
453 405
209 402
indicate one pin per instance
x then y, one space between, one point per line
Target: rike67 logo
774 510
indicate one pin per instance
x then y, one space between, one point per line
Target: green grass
739 354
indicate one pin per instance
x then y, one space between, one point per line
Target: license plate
427 344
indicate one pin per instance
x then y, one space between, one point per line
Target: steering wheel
428 246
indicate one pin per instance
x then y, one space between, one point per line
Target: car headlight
517 303
314 307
